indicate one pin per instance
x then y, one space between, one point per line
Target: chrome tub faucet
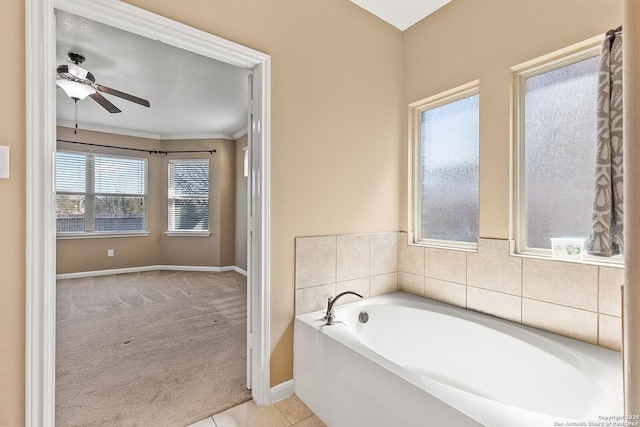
330 316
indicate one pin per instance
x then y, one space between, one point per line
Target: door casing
40 178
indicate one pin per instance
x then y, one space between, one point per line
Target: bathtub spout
330 316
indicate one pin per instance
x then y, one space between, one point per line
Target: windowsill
101 235
203 233
615 261
451 246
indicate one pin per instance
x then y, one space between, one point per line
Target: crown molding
239 134
150 135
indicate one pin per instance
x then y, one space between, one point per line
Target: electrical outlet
109 252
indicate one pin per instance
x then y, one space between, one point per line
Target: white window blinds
96 193
189 195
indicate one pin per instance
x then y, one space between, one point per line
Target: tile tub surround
580 301
328 265
576 300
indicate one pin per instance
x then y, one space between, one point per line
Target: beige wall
339 96
217 250
75 255
12 226
241 206
336 150
468 40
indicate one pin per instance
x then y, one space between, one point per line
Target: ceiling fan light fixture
77 71
75 90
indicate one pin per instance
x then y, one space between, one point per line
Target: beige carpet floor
161 348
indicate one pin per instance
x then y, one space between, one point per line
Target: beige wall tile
353 257
411 283
562 297
562 320
313 298
495 247
566 283
445 265
360 286
384 253
410 258
610 332
493 268
449 292
497 304
383 284
315 261
609 293
403 238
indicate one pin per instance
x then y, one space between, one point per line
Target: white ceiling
401 13
191 96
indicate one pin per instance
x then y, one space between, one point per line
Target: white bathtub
418 362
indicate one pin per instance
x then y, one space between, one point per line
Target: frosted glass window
96 193
188 195
559 152
449 171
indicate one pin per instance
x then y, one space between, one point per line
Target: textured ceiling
191 96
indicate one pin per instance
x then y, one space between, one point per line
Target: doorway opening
41 144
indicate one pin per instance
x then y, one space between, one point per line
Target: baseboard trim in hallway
82 274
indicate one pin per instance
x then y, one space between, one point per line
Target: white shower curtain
606 238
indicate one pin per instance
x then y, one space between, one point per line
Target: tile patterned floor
287 412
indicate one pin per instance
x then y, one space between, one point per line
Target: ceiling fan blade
104 102
123 95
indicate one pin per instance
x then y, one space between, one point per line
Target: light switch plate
4 162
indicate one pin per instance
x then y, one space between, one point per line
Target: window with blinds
100 194
188 195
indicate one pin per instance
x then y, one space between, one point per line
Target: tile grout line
283 414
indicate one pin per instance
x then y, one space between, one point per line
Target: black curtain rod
137 149
614 32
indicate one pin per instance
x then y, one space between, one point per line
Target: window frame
188 233
94 194
570 55
415 179
245 162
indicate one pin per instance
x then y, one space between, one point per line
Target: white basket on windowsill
569 249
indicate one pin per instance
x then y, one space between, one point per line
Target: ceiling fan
78 83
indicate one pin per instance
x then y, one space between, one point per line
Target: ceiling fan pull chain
75 101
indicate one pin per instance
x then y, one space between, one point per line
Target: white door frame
40 189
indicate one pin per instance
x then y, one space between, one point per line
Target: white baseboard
149 268
281 391
239 270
